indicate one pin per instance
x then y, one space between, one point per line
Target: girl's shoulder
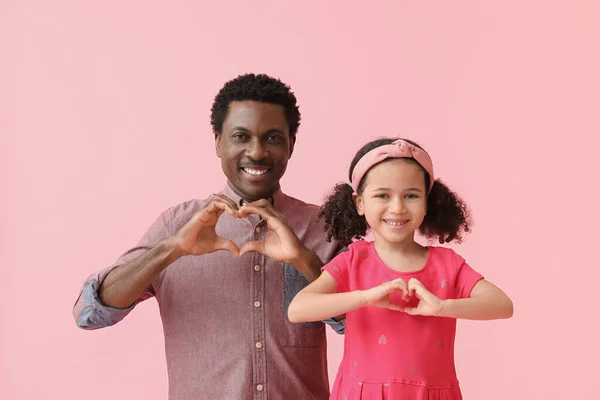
359 245
445 257
358 251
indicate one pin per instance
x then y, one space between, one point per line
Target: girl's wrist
445 306
363 301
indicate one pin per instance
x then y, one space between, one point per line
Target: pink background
104 123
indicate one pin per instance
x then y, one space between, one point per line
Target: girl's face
394 200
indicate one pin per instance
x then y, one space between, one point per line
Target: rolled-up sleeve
338 326
88 311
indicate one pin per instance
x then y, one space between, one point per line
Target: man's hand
280 243
198 235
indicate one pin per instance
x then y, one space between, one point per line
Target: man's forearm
309 265
124 284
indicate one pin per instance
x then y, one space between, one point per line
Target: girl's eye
412 196
382 196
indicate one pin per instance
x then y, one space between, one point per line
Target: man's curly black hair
447 218
255 87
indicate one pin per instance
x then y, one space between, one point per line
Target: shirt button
257 229
257 304
259 387
258 345
257 267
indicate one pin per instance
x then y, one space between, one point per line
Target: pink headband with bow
398 149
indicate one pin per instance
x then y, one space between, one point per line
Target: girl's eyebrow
406 190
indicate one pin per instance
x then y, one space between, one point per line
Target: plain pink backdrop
104 123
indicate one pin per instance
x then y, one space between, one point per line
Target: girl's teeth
395 223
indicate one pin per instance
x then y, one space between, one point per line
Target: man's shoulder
178 214
295 205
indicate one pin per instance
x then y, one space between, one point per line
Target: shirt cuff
96 315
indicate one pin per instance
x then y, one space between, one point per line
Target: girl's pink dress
391 355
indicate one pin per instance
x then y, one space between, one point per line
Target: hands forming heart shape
428 304
198 235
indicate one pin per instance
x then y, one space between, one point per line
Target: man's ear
218 143
292 144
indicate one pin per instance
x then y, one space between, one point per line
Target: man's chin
251 191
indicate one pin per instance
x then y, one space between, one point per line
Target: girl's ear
358 203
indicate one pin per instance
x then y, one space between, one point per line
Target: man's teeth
256 172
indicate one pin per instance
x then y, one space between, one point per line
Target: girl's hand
429 304
379 296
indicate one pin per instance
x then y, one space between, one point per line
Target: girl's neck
405 256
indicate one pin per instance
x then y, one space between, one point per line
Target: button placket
259 364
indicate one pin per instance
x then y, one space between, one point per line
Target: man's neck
246 199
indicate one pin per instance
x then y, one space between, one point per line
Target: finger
390 287
226 244
222 198
263 203
415 282
275 220
411 311
417 290
395 307
263 212
226 200
218 207
414 285
403 288
257 246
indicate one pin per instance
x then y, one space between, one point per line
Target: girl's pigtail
342 222
448 217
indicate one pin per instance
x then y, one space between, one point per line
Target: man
225 269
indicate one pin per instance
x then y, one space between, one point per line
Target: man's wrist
308 264
171 249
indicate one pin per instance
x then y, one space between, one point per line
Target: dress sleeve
339 269
466 277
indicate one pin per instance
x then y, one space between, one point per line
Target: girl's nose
397 206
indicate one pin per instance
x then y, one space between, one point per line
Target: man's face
254 147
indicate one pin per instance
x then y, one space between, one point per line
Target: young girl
401 299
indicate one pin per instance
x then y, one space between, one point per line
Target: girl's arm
320 300
485 302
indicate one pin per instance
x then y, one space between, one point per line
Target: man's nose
256 150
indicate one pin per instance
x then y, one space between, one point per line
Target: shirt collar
276 199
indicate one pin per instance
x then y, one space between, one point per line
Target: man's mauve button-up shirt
227 335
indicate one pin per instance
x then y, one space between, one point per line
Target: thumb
411 311
226 244
254 246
